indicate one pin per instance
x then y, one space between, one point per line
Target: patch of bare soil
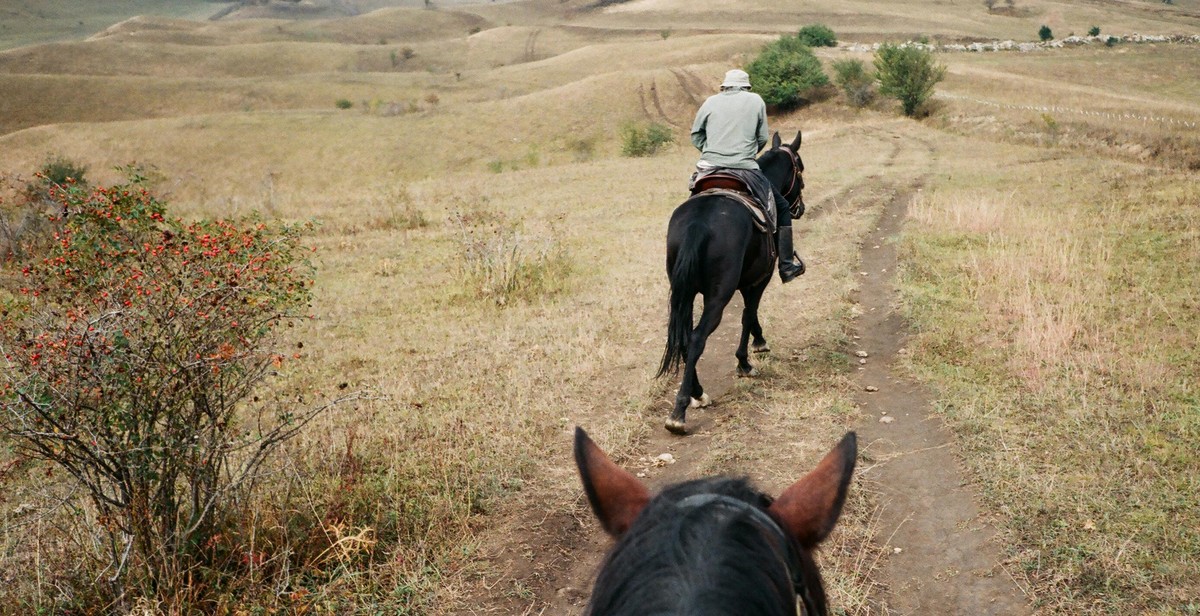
941 559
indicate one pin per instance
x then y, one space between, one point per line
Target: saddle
729 185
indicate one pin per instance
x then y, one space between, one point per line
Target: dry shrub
395 210
503 261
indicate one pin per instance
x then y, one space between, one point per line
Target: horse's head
784 168
711 543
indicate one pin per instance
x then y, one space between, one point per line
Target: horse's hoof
674 426
745 374
701 403
760 348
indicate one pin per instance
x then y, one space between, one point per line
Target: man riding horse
730 129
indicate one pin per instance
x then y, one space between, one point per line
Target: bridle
767 523
796 176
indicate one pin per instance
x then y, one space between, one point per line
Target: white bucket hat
736 79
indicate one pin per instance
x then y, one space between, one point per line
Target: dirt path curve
946 563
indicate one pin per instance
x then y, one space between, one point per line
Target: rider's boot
790 265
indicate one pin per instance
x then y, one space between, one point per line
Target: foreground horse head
713 546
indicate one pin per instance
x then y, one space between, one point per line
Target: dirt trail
946 564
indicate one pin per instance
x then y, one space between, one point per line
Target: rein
763 522
795 175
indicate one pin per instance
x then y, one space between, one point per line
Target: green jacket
730 129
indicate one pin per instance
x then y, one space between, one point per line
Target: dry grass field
1049 273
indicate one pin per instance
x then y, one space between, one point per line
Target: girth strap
762 222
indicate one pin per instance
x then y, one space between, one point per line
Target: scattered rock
871 388
664 458
862 361
887 419
897 550
641 475
574 595
862 354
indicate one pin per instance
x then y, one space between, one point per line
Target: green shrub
785 71
645 140
1094 31
817 35
1111 41
1045 33
58 170
343 103
907 74
855 82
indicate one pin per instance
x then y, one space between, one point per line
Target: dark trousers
783 210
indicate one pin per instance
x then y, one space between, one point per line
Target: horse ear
795 146
809 508
775 140
616 496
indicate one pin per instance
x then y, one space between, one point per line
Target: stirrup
791 270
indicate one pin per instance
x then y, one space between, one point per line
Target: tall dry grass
1056 309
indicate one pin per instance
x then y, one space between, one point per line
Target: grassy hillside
26 22
871 21
1048 273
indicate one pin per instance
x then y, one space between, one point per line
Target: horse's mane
695 561
774 162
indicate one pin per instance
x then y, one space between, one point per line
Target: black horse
713 546
713 249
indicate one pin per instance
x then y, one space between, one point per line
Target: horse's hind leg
751 327
691 393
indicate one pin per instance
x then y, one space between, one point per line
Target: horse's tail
685 284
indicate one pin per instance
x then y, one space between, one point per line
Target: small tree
131 353
1094 31
856 83
907 74
785 71
639 140
817 35
1045 33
